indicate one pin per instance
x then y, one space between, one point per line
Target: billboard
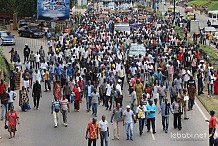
53 10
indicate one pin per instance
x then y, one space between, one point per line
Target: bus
213 17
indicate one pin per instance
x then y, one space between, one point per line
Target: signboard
53 10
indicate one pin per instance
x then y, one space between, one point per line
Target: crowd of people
92 64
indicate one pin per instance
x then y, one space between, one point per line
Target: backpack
56 105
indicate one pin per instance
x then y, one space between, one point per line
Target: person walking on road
128 118
177 111
88 90
151 109
141 112
12 119
104 131
95 100
67 91
4 103
77 98
36 94
92 132
26 53
184 99
55 110
138 88
12 95
165 109
23 99
191 92
212 127
64 109
47 80
116 118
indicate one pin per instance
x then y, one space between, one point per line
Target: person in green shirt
32 59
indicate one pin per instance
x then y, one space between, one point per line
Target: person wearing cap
92 132
128 118
212 127
26 52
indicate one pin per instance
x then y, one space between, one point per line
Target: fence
32 43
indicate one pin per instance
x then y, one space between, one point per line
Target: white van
122 27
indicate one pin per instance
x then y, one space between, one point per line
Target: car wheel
31 35
1 42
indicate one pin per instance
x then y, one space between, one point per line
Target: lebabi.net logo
188 136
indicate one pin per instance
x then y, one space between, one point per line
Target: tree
23 8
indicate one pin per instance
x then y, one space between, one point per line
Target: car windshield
122 28
4 34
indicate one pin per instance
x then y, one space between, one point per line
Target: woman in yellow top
139 90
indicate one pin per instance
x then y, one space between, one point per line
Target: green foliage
23 8
213 5
199 3
4 65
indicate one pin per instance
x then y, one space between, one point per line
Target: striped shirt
64 104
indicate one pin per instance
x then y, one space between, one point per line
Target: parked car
6 38
189 9
23 23
30 31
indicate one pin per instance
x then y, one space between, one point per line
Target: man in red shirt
180 56
92 132
212 127
2 87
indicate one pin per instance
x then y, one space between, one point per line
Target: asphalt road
36 126
202 18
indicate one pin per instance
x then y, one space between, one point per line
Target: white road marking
205 117
152 135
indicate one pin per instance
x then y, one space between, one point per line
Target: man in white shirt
37 59
109 88
128 118
141 114
104 131
12 95
121 75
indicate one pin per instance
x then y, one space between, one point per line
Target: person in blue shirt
57 71
88 90
151 110
159 75
70 70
